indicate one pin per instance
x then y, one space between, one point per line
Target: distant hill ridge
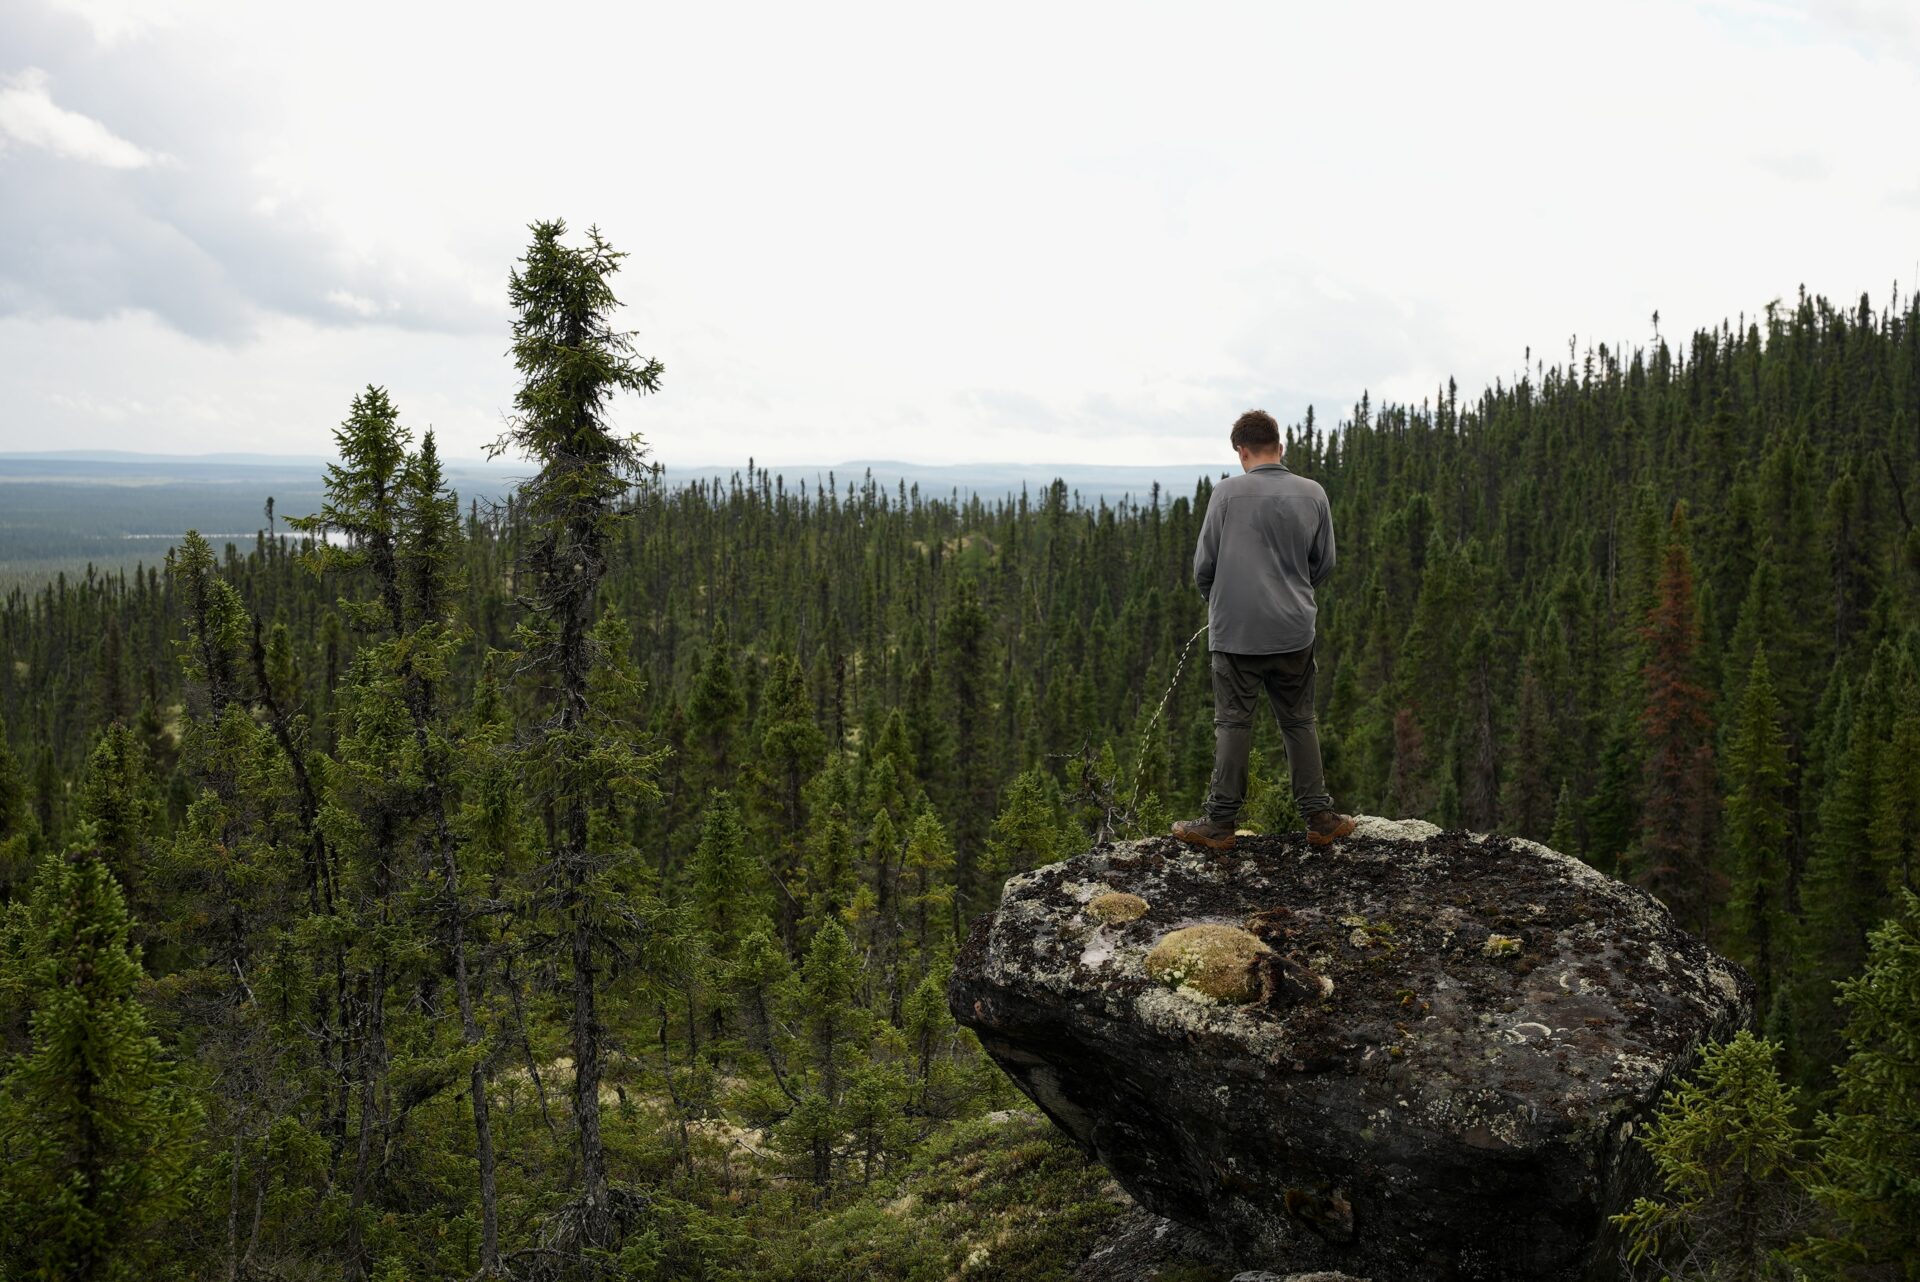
1092 481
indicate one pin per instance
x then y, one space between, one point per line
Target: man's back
1266 543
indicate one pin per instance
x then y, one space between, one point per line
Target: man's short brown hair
1257 431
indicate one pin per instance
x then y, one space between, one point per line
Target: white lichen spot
1723 983
1576 869
1393 829
1168 1011
1097 952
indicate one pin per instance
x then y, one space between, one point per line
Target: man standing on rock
1265 545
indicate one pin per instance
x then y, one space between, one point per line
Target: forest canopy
568 885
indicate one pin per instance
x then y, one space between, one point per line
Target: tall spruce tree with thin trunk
1529 800
1895 829
713 713
118 798
431 582
18 828
927 867
371 787
574 362
1842 892
391 790
1758 828
792 747
726 882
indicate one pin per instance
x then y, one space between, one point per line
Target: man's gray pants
1288 681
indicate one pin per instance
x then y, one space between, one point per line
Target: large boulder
1413 1054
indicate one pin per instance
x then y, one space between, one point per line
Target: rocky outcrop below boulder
1141 1246
1413 1054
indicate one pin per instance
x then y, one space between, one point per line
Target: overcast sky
1032 232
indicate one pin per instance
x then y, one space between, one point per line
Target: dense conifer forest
568 887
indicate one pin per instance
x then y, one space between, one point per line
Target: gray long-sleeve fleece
1265 545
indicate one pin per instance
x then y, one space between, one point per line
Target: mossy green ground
1004 1196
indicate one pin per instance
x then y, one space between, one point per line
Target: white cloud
1094 230
358 305
114 21
29 116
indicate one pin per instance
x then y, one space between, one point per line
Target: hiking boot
1205 832
1328 826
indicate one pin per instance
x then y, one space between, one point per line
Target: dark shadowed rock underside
1460 1105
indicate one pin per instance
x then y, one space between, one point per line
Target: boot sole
1221 844
1328 838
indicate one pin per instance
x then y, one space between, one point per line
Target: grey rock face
1460 1105
1141 1246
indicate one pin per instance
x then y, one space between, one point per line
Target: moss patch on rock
1116 906
1219 962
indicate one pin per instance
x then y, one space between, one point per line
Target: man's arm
1207 550
1320 555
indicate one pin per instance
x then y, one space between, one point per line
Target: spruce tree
1895 828
97 1133
373 784
726 891
836 1029
832 877
874 913
939 1088
1679 807
1758 828
1842 891
216 621
1870 1154
1529 802
714 710
1025 834
573 362
927 904
964 661
1733 1170
792 747
759 981
18 828
1564 836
